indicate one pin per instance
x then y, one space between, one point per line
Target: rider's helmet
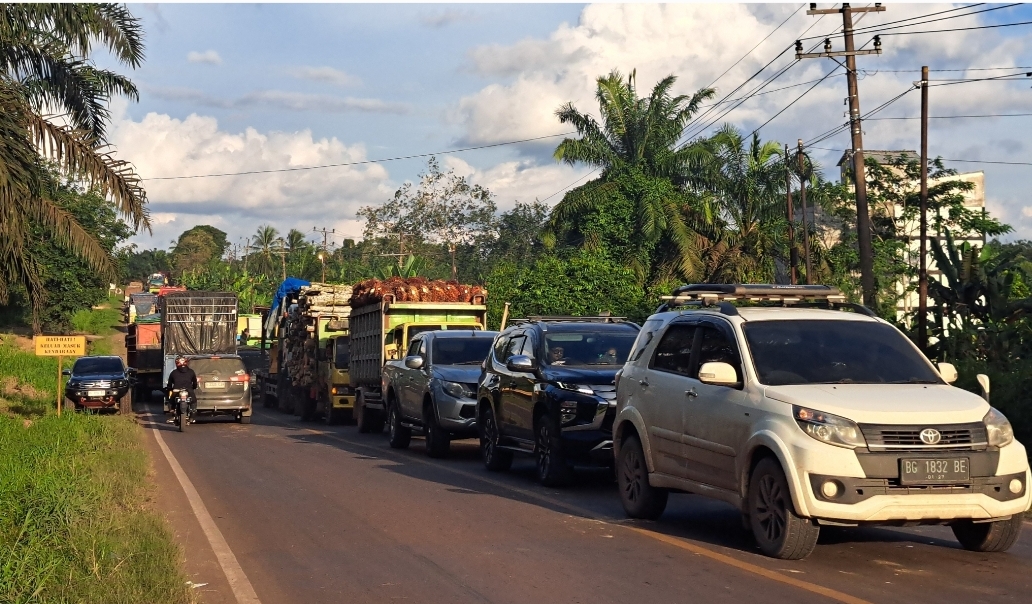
181 361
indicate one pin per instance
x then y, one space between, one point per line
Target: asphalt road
324 514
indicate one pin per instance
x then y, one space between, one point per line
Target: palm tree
265 241
295 240
747 181
635 149
53 113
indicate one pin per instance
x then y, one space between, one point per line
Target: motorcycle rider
182 378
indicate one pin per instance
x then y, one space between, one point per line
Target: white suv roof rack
720 295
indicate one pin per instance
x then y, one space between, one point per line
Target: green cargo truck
380 332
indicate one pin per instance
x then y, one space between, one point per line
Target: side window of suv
413 348
501 343
674 352
515 346
528 346
716 347
421 351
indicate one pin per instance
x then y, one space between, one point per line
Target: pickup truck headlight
576 388
998 428
457 389
829 428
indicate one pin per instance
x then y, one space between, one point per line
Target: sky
229 88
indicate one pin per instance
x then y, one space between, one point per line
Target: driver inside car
556 356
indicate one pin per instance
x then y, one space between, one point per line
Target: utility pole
806 221
922 282
793 253
325 233
863 214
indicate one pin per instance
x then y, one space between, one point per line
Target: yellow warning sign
60 346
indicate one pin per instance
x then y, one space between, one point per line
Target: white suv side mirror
948 372
983 381
718 374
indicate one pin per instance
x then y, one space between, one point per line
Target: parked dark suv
548 389
100 383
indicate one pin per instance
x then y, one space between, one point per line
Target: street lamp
322 258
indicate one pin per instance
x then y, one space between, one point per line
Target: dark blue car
100 383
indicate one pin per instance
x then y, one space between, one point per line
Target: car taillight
240 378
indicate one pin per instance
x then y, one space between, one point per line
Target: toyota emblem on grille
930 436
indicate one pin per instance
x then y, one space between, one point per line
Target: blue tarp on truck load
291 285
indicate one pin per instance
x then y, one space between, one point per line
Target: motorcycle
185 412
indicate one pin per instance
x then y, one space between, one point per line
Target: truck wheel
400 436
125 404
552 468
996 536
778 531
362 417
245 419
640 499
438 442
495 459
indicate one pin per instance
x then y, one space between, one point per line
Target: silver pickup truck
432 389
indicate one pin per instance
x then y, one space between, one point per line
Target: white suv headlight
998 428
829 428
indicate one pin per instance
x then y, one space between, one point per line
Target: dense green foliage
582 284
70 283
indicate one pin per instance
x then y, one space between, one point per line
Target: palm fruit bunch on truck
414 289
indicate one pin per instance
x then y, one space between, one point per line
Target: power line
940 31
358 163
569 185
710 85
953 117
785 108
882 26
784 88
877 71
963 161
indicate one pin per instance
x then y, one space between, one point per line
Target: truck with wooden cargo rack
381 327
315 347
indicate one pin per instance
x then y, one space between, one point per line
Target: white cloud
159 145
523 181
282 99
209 56
326 74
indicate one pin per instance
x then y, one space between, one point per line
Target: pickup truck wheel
552 468
996 536
245 419
438 442
779 532
400 436
640 499
495 459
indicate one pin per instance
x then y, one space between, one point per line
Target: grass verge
73 526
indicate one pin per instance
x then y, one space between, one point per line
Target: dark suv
548 389
100 383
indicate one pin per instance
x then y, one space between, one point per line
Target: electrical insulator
827 44
877 42
813 6
798 46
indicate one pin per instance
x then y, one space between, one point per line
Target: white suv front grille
908 438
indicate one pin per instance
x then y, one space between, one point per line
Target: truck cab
336 397
398 339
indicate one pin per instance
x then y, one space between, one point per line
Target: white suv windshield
834 352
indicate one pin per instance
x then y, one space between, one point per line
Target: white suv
806 414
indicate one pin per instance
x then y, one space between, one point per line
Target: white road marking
238 582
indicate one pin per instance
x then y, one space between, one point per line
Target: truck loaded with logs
307 338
